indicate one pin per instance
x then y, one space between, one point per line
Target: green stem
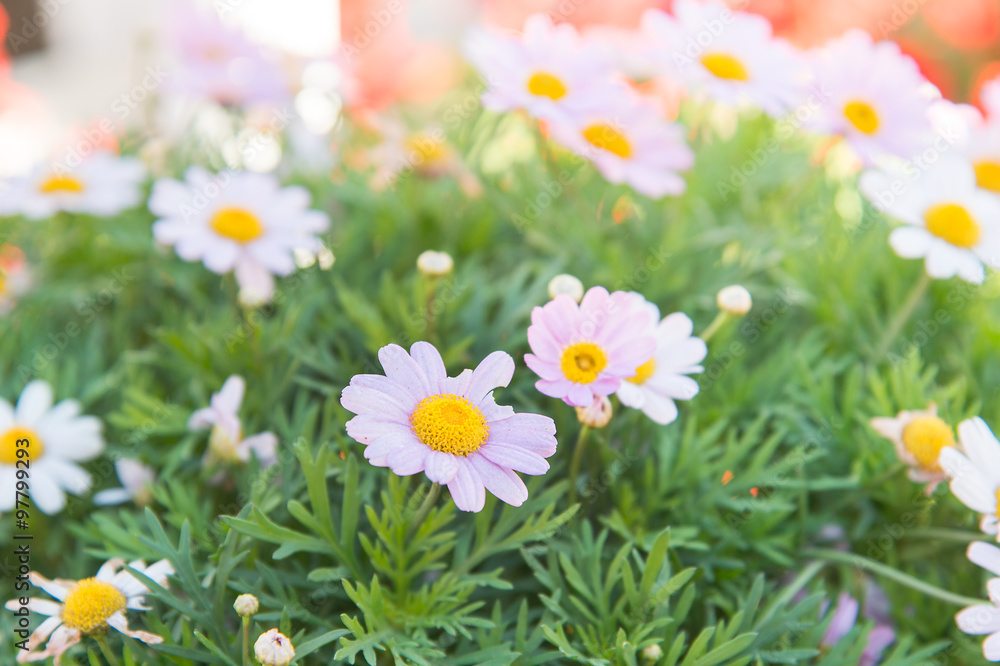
246 641
892 574
432 282
905 313
102 641
423 510
574 465
713 328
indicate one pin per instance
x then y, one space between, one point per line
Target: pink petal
493 371
556 388
430 362
404 371
467 489
407 460
505 484
378 451
515 458
544 369
366 428
529 431
580 395
440 467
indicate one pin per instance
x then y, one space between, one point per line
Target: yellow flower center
644 372
863 116
997 495
59 183
449 423
924 437
988 175
582 362
432 150
238 224
543 84
9 447
90 603
725 66
607 137
952 223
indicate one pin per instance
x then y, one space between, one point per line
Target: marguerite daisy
426 153
975 474
226 443
919 436
550 72
629 142
875 96
586 350
58 438
237 221
949 221
740 61
103 184
136 479
984 618
89 606
417 419
662 378
978 139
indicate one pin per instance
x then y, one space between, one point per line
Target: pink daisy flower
586 350
418 419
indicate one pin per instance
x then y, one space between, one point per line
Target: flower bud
734 300
273 649
435 264
597 414
652 653
246 605
564 283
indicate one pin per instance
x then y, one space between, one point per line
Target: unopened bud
597 414
652 653
246 605
564 283
435 264
273 649
734 300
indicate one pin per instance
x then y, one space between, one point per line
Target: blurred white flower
226 442
136 479
435 264
564 283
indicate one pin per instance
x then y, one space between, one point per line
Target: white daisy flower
103 185
629 142
550 72
226 443
59 439
949 222
89 606
984 618
662 379
136 479
919 436
729 56
237 221
975 138
975 475
426 153
876 97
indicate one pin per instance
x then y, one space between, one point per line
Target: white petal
979 619
985 555
35 400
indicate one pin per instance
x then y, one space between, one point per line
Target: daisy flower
984 618
416 418
220 63
727 55
586 350
975 474
136 479
875 97
226 443
949 222
919 436
977 139
102 185
426 153
629 142
661 379
550 72
237 221
89 606
59 438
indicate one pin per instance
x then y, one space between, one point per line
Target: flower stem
893 574
713 328
432 283
423 510
246 640
574 465
102 641
899 321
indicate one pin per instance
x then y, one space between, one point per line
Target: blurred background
71 65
